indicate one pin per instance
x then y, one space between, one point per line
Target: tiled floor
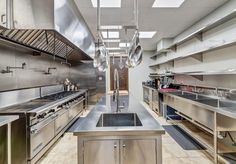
65 151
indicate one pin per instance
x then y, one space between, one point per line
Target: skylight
167 3
110 34
124 44
111 27
107 3
146 34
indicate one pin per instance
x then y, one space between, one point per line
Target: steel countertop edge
87 127
57 102
52 104
7 119
222 111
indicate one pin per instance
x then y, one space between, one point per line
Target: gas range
43 120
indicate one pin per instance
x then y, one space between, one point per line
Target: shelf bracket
199 36
154 67
173 48
199 77
198 57
171 63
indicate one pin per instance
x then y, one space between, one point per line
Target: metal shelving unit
197 34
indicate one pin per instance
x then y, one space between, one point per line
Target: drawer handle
123 149
115 152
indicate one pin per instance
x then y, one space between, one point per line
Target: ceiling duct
54 27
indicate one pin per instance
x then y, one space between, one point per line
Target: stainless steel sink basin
225 104
217 103
211 102
191 96
118 119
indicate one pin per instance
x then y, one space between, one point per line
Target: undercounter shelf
205 138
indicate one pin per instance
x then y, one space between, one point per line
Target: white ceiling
168 22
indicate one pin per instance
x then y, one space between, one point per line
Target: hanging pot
97 59
136 53
136 56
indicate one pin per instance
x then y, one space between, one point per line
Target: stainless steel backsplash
36 66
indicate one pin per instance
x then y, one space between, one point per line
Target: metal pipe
136 13
98 16
9 15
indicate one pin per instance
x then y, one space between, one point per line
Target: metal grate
47 41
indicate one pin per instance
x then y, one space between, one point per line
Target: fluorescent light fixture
111 40
110 34
124 45
107 3
167 3
113 48
115 53
146 34
111 27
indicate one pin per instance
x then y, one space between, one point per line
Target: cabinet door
101 152
138 151
3 12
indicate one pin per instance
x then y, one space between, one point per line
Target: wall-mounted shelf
160 52
198 34
161 75
207 49
196 74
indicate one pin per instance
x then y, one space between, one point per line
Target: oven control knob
41 116
51 111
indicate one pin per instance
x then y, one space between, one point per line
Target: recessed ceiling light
110 34
111 27
107 3
111 40
124 45
167 3
146 34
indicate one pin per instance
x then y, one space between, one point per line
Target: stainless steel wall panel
18 96
48 90
34 74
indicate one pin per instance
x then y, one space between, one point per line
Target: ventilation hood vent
55 27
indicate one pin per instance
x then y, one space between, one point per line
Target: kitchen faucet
116 92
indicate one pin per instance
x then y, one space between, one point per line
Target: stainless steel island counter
131 136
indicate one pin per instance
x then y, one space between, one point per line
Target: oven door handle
77 103
36 130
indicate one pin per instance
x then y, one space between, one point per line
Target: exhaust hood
55 27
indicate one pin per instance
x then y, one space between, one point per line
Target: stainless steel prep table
211 117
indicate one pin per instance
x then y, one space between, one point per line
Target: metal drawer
75 109
39 138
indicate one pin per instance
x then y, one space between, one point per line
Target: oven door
76 108
61 121
40 135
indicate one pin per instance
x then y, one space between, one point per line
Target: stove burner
58 96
